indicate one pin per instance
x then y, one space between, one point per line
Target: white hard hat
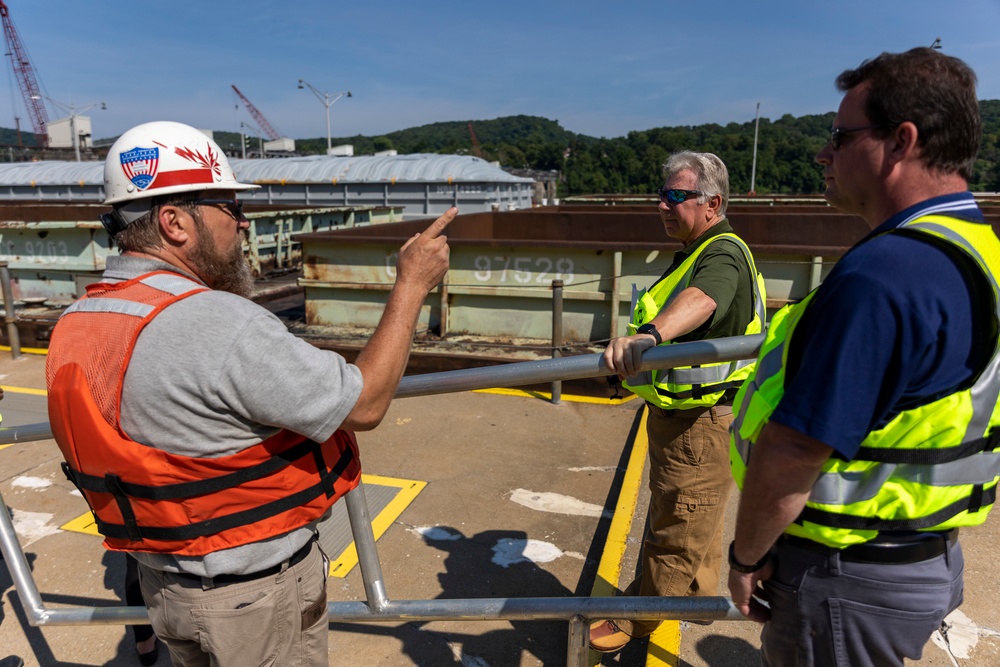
163 158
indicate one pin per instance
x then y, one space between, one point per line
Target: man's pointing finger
441 223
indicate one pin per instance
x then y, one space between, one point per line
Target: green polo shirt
723 274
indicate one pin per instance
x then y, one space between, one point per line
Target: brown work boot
605 637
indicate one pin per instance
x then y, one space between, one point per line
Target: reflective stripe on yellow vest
687 387
934 467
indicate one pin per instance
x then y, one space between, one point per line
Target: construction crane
268 129
25 76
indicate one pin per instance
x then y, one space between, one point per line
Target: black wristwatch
740 567
650 328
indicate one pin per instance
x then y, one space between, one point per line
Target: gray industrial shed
425 184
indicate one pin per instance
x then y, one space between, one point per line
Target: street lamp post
328 100
73 111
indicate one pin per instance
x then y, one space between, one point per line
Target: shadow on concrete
40 648
720 651
490 564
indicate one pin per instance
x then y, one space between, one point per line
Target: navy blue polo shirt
897 324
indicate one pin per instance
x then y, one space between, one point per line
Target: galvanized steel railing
378 607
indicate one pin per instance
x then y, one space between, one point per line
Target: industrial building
424 184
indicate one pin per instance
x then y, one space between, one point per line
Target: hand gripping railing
378 607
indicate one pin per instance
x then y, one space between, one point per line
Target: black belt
884 550
296 558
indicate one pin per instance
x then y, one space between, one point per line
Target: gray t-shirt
215 373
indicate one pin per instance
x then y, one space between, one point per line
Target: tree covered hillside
632 164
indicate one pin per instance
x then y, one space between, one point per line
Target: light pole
73 111
328 100
753 169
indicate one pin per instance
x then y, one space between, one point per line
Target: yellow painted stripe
82 524
501 391
610 568
664 645
25 390
408 490
27 350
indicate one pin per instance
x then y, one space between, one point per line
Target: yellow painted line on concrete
664 643
83 524
501 391
25 390
28 350
342 565
408 490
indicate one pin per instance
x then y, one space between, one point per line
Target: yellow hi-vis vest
933 467
688 387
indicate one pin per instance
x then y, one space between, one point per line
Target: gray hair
712 175
143 234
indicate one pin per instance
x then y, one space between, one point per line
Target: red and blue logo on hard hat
140 165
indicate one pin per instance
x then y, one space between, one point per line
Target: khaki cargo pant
278 620
690 484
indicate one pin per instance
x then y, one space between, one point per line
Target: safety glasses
674 196
233 207
837 134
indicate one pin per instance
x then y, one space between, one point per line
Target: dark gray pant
825 611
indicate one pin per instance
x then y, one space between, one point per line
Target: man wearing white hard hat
206 438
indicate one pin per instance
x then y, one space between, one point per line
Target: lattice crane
267 128
25 75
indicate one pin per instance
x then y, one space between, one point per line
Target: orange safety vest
147 499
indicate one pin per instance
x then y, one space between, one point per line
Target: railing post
364 542
9 315
557 334
578 643
20 571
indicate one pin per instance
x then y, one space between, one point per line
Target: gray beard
227 271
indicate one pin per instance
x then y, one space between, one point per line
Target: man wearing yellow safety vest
711 290
867 435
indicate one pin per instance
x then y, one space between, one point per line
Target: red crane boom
25 76
268 129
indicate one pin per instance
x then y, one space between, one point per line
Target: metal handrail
378 607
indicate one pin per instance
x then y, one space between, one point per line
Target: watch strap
650 328
740 567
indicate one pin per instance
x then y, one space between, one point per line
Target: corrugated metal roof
419 167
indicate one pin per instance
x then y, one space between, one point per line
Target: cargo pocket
865 634
236 625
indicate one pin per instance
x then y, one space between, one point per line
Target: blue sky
598 68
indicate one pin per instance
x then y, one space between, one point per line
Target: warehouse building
424 184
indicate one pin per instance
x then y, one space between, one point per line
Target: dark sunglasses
234 208
674 196
837 134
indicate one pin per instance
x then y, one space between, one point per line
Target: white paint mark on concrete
508 551
594 469
556 503
31 482
32 526
76 492
960 635
436 533
466 660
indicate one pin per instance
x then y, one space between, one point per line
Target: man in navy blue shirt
855 485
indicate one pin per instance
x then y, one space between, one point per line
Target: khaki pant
690 484
278 620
